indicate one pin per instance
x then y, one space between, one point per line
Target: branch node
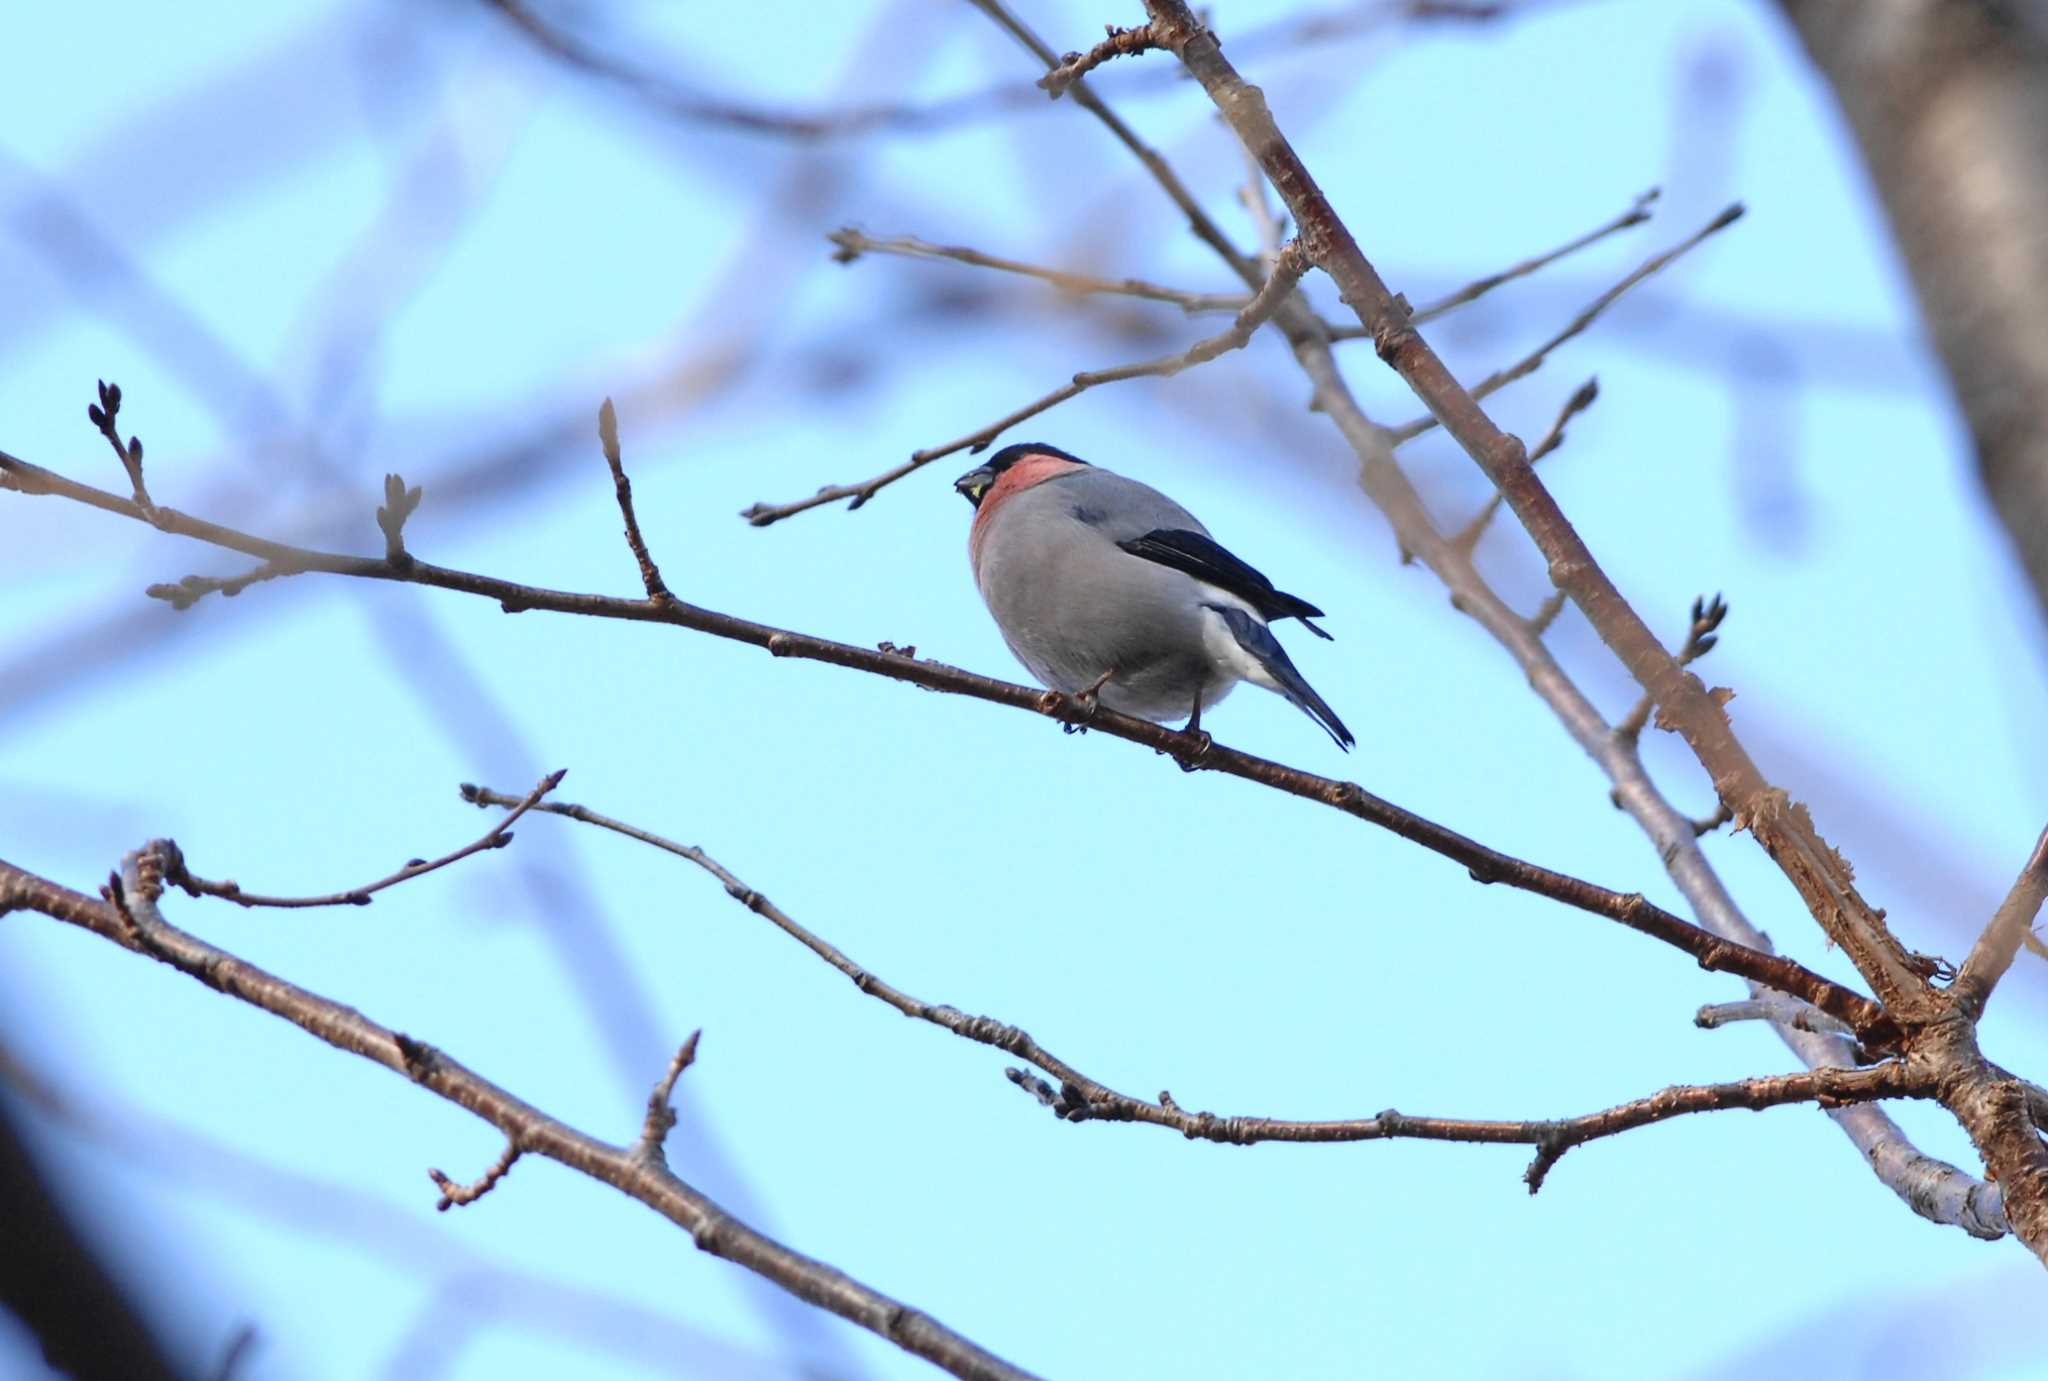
1550 1149
416 1058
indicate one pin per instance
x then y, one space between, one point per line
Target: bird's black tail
1258 640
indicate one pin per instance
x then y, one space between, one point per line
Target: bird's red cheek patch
1022 475
1025 474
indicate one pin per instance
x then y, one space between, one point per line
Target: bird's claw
1192 761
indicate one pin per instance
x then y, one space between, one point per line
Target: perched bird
1106 588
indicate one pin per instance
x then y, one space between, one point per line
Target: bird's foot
1198 753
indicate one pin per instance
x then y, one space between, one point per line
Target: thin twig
497 837
1637 213
608 437
1121 43
1532 361
854 243
661 1113
1467 537
1080 1098
1287 273
455 1194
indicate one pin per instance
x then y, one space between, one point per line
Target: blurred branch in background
679 100
466 1291
1950 105
1255 309
52 1280
128 916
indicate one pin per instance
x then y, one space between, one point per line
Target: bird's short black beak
975 483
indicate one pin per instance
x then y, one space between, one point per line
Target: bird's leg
1089 702
1194 731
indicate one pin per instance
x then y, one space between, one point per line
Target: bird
1108 590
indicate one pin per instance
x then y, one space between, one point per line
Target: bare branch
497 837
678 102
1485 864
854 243
1079 1098
1637 213
1828 1087
134 923
1533 361
1995 949
1288 269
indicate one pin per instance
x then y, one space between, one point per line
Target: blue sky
317 244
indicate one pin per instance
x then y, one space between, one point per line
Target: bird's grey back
1119 508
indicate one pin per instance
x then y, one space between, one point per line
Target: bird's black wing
1208 560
